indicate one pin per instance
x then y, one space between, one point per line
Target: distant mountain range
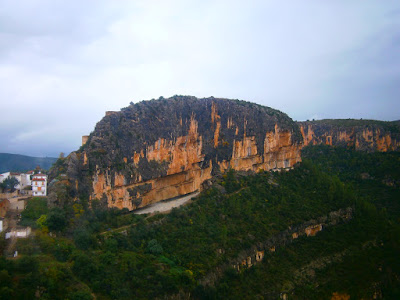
21 163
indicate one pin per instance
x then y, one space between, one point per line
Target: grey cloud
63 63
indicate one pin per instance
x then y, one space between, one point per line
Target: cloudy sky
64 63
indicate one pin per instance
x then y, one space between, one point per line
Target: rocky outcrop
160 149
250 257
279 152
178 164
365 135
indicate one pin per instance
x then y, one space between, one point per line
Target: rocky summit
160 149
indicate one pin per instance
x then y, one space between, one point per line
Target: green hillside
358 259
189 253
21 163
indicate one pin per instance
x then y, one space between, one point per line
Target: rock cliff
365 135
160 149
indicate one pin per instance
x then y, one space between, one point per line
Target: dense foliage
358 259
115 254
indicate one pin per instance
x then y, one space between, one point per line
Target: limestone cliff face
159 149
279 152
363 135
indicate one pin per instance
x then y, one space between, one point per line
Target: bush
154 247
35 208
57 220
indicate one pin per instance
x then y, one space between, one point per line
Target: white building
39 185
3 224
19 233
4 176
24 179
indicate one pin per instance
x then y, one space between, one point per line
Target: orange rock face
234 135
181 154
216 119
161 188
369 139
184 156
279 153
183 176
160 149
313 230
259 255
187 167
137 156
338 296
279 150
85 158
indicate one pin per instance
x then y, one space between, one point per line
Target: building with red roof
39 184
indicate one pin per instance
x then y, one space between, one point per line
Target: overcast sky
64 63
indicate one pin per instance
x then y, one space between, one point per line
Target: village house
39 185
4 176
20 232
24 179
3 224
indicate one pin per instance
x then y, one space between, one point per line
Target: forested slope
21 163
358 259
194 250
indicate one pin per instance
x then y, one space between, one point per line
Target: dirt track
165 205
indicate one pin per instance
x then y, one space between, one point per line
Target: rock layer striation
365 135
165 148
160 149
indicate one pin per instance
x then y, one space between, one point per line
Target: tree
83 238
84 266
81 295
42 223
154 247
28 264
35 208
9 184
56 219
231 183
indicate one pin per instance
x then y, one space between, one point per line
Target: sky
64 63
